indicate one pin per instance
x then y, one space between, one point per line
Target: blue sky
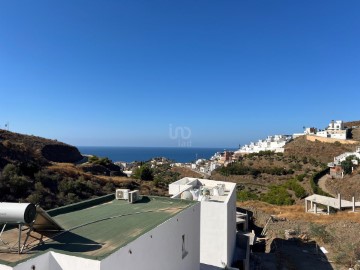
121 72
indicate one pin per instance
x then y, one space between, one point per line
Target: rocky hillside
19 148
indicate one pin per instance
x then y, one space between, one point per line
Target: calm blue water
128 154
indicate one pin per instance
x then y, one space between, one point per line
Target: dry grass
324 152
186 172
64 167
352 123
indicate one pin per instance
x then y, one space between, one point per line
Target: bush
300 177
296 187
245 195
277 195
238 168
101 161
320 232
337 143
144 173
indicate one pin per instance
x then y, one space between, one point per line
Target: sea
129 154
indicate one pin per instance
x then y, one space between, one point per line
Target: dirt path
322 185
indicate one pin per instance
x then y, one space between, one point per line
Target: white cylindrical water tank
17 212
195 193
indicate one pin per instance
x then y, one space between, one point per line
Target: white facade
336 125
342 157
162 247
335 130
218 219
271 143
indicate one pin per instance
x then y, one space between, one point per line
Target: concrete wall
231 227
330 140
60 261
181 185
40 262
5 267
213 240
161 248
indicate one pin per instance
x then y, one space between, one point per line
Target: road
322 185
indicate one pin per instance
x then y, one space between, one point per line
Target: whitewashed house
218 220
274 143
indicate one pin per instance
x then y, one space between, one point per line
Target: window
183 249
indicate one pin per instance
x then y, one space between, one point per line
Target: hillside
347 187
336 232
46 172
323 152
271 177
352 123
42 171
19 148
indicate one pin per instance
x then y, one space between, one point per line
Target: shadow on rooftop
70 242
144 199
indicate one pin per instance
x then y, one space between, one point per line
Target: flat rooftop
332 202
189 183
96 228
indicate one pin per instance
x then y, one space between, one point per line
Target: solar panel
44 222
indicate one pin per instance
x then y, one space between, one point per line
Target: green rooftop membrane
96 228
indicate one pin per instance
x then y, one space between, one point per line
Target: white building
271 143
105 233
335 130
218 219
337 160
336 125
214 166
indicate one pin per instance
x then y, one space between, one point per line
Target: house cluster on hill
274 143
335 130
337 169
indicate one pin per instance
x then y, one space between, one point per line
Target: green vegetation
294 185
238 168
264 153
164 176
314 180
319 231
347 164
246 195
47 188
144 172
100 161
277 195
